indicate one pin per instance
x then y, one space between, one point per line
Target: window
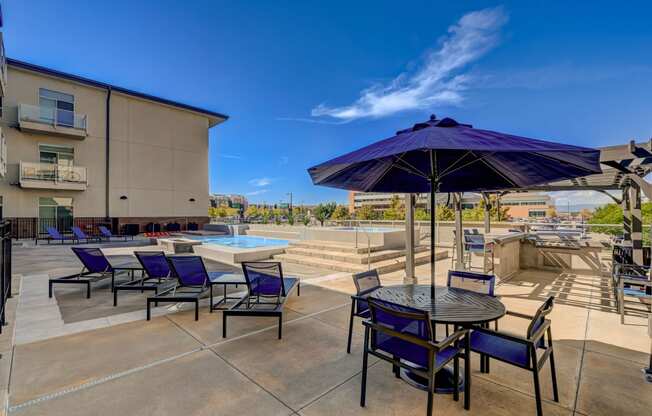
57 107
55 212
537 213
56 155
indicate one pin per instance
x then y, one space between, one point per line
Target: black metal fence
31 227
5 268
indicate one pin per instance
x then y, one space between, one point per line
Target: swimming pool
242 241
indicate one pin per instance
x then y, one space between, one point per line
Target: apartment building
520 205
229 200
80 148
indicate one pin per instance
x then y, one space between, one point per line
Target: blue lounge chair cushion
501 348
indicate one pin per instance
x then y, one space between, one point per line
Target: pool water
368 229
242 241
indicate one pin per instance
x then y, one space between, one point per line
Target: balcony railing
52 175
54 117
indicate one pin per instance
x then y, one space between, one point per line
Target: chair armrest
406 337
509 337
519 315
540 332
455 336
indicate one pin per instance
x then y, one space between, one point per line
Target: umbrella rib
480 159
410 167
507 178
393 164
456 162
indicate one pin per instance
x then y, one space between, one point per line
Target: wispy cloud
258 192
228 156
260 181
438 80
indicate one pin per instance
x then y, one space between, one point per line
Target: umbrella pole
433 218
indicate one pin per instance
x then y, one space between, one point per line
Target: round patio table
451 306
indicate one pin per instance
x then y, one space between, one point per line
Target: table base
444 380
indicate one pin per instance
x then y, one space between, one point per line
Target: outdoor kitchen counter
507 248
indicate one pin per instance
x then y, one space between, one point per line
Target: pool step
383 266
334 246
348 257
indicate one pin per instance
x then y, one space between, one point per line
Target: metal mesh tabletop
450 306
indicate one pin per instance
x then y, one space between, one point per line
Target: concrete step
354 258
334 246
384 266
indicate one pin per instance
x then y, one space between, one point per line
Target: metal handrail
55 117
52 172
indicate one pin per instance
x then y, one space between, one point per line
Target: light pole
290 194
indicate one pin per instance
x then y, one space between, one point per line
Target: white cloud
564 198
258 192
437 81
260 181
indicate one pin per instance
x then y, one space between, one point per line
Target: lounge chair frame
246 307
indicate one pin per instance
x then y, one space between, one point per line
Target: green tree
396 210
252 211
324 211
612 214
340 213
445 213
365 212
421 214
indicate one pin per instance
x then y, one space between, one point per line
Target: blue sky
306 81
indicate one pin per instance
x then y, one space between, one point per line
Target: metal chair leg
365 357
348 343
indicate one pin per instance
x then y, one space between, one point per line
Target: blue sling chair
404 337
365 284
192 281
267 291
529 352
96 267
157 274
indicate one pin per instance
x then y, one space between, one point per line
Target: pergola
624 168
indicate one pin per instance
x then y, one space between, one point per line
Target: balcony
52 176
38 119
3 67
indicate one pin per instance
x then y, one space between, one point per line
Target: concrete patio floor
174 365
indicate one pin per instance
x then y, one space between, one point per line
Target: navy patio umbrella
442 155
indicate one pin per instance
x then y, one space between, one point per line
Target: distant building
236 201
520 205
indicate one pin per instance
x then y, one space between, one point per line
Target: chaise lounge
157 275
80 235
267 291
192 283
96 267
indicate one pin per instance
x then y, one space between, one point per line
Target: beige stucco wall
159 154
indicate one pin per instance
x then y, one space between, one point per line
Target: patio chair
476 282
529 353
96 267
365 284
192 283
404 337
475 244
157 274
106 233
55 235
629 279
267 291
80 235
